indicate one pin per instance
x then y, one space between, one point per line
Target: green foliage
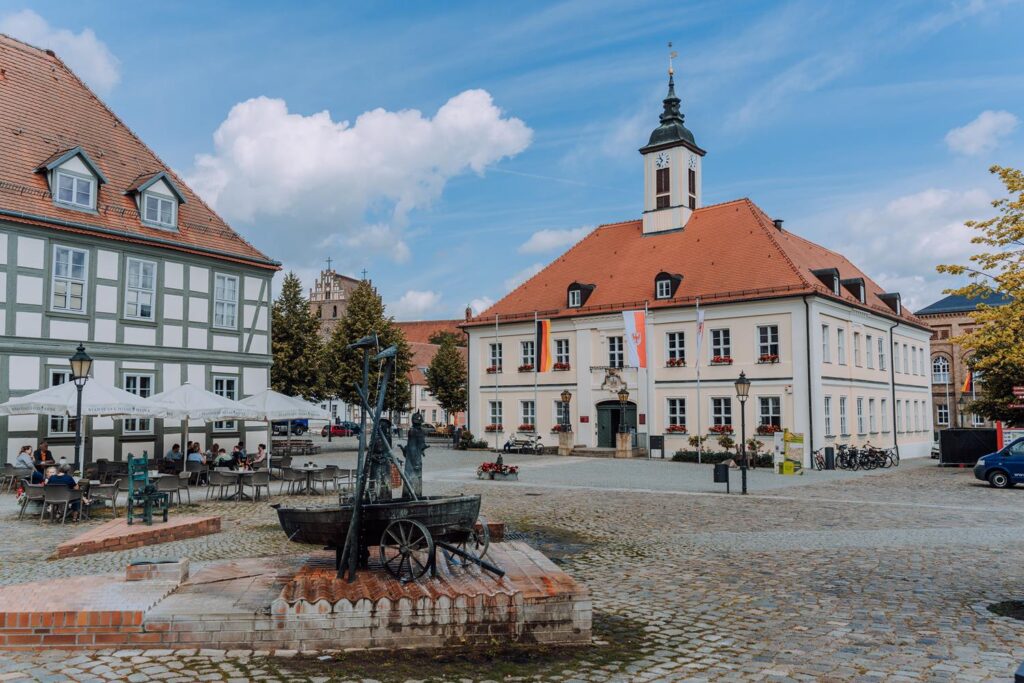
446 377
440 336
760 460
726 442
296 343
996 344
344 368
754 447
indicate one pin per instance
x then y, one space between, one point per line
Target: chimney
778 223
469 312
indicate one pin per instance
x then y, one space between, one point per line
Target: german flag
544 358
968 386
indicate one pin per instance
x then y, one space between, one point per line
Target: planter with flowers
721 360
527 428
768 358
494 428
494 369
675 429
562 367
557 429
767 429
675 363
526 367
497 471
720 429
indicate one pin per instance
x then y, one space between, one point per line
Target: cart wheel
478 541
406 549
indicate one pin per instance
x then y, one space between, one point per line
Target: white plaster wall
30 290
197 375
3 248
198 279
254 380
261 319
198 310
145 336
106 264
3 322
105 330
104 371
30 252
22 423
97 423
68 329
27 324
225 343
106 299
24 373
259 344
171 376
172 336
196 338
76 165
173 306
252 288
102 447
174 276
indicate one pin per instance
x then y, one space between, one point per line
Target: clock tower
672 172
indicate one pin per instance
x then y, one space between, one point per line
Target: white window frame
977 420
768 341
841 345
885 415
616 351
66 422
942 414
226 425
860 416
769 410
881 353
76 179
69 280
527 356
899 416
136 425
906 361
872 416
828 416
159 200
896 357
575 298
562 351
826 352
869 349
856 349
495 410
139 291
496 355
721 342
663 289
221 304
675 346
940 376
528 412
721 411
560 409
843 424
675 412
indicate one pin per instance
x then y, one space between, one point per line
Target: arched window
940 370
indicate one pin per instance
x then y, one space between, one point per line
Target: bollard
830 458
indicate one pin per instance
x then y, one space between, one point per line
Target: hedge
713 458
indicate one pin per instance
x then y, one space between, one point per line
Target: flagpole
647 375
496 372
700 336
536 369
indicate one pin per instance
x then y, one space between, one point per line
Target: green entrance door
609 415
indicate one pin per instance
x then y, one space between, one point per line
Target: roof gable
148 180
60 158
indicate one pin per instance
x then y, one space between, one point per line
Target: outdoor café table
310 471
240 476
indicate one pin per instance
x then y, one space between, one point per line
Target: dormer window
578 294
829 277
855 286
892 300
76 190
157 198
73 179
159 210
666 284
575 298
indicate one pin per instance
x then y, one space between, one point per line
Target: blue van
1003 468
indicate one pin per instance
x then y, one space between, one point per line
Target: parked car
353 426
337 430
1004 468
299 427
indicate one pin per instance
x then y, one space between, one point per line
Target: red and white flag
636 338
700 331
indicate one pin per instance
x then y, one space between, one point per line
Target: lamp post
742 392
566 397
81 366
623 397
961 405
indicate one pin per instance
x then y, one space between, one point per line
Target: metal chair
221 482
259 480
7 477
333 472
324 476
292 478
59 496
19 474
169 484
183 478
33 494
106 493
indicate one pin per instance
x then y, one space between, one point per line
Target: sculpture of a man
414 450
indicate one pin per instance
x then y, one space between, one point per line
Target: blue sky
483 138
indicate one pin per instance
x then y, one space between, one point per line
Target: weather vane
672 54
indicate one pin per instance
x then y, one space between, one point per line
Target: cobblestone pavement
881 577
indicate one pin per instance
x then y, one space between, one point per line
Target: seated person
224 460
194 455
211 455
238 456
24 459
174 454
63 477
42 456
260 459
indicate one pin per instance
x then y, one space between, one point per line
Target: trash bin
721 473
830 458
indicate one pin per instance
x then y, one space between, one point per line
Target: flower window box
768 358
561 367
526 367
494 369
675 429
766 430
676 363
721 360
527 428
557 429
720 429
494 428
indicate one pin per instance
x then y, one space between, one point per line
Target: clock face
662 160
693 162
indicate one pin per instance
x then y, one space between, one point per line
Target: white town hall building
829 353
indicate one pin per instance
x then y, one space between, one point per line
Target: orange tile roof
47 110
422 330
727 252
422 355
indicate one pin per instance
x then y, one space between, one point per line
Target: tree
997 342
441 335
296 344
446 376
344 367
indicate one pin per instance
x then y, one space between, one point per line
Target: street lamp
81 366
962 408
742 392
566 397
623 397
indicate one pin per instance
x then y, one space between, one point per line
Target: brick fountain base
289 603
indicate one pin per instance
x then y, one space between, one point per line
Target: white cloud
983 133
87 55
357 182
900 243
523 275
481 304
415 305
549 240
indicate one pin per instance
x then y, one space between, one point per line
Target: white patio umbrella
97 399
189 402
274 406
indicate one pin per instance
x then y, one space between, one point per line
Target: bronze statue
414 450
